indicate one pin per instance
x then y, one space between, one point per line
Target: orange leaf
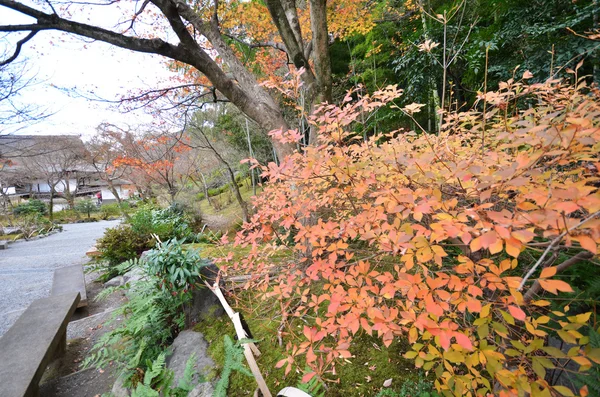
517 313
474 305
548 272
523 236
553 286
463 340
587 243
475 244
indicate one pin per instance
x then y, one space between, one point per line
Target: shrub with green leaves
113 209
122 243
166 223
86 206
31 207
176 268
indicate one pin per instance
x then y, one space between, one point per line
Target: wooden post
249 348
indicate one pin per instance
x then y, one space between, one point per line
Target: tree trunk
238 195
113 190
51 209
252 156
206 189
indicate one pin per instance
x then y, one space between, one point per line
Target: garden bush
86 206
122 243
178 269
154 313
113 209
166 223
32 206
153 317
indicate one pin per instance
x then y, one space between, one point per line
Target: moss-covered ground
361 375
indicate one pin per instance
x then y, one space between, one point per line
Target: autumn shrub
457 242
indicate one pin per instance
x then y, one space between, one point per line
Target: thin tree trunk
236 191
251 155
51 209
115 193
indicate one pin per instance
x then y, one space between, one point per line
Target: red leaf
308 376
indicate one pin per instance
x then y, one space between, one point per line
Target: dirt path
218 223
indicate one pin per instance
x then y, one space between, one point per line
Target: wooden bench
70 279
36 338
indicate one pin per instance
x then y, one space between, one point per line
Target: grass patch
226 203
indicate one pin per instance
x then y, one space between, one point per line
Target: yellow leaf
565 391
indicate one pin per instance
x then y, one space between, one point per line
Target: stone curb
34 237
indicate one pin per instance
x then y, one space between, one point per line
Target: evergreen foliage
86 206
32 206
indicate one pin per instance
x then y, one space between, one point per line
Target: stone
93 252
202 390
144 255
134 275
119 389
204 302
186 344
3 245
115 282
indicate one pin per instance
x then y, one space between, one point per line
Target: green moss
361 375
211 251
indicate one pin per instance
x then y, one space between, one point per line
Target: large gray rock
119 389
186 344
134 275
144 255
204 301
115 282
202 390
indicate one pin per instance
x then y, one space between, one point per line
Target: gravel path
26 268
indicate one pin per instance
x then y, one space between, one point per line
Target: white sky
63 61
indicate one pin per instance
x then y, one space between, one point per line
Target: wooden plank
70 279
32 342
